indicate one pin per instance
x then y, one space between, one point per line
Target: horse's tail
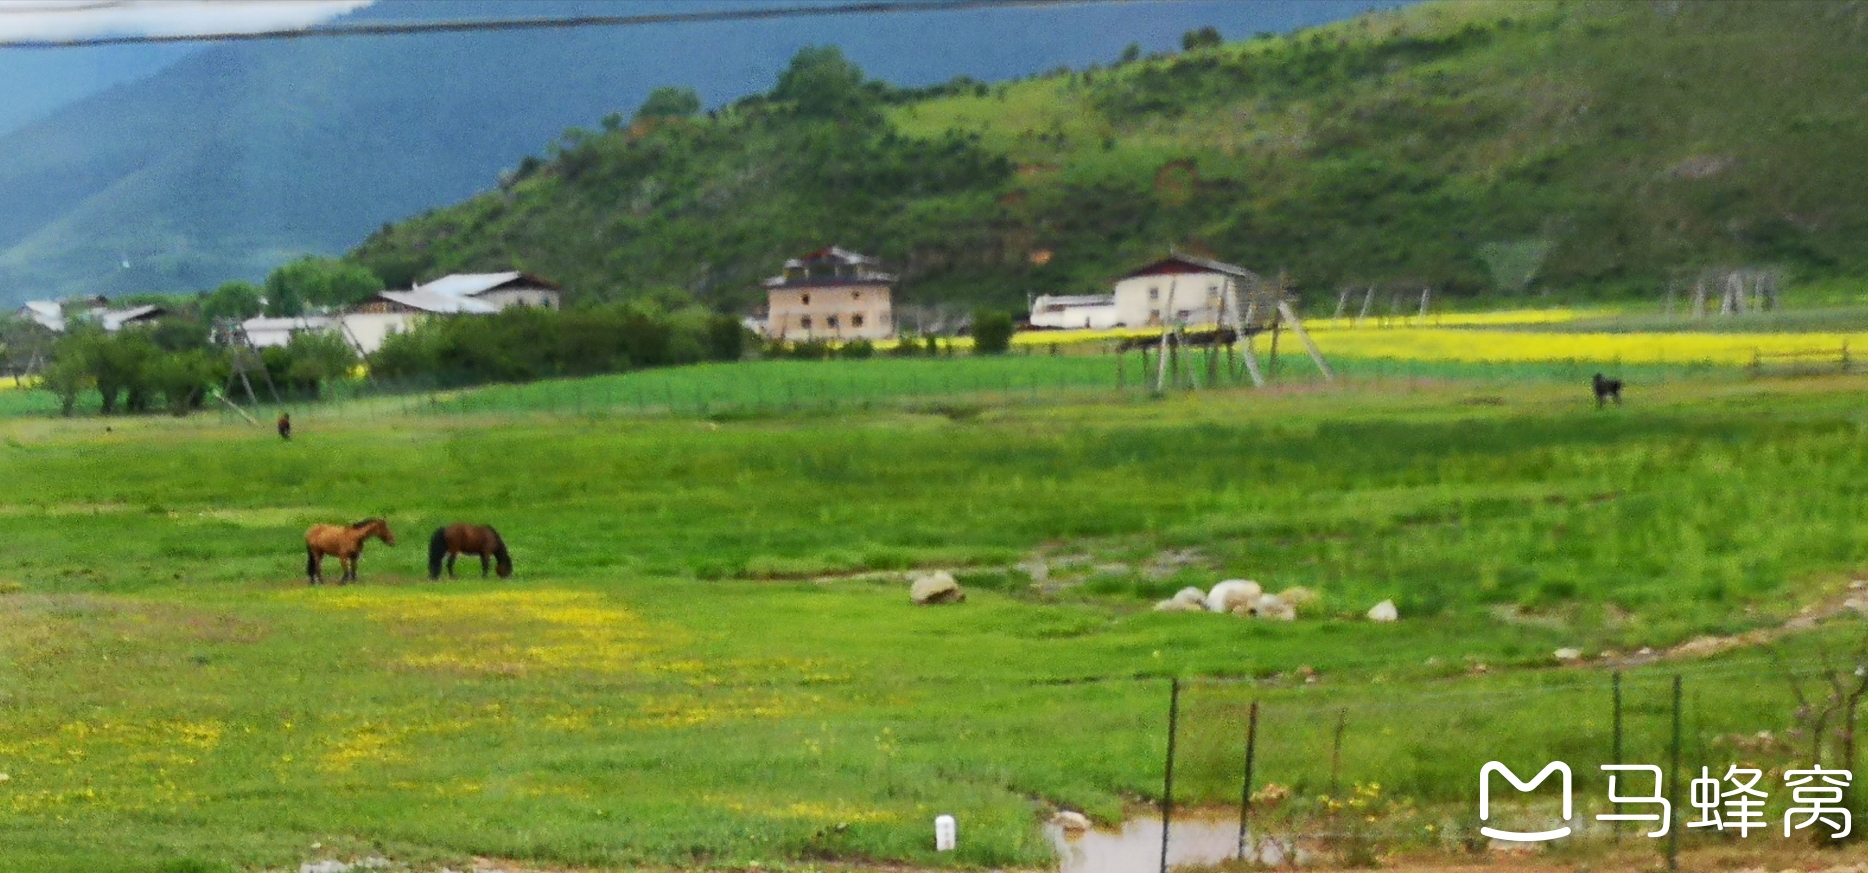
437 549
502 559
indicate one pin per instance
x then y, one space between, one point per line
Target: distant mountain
238 157
1477 147
34 82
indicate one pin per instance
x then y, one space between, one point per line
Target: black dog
1606 388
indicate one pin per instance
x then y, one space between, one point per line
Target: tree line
523 343
173 367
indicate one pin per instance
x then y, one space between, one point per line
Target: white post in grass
945 833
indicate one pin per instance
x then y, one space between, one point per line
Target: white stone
1273 607
1191 595
935 588
1071 821
1231 593
1384 611
1569 654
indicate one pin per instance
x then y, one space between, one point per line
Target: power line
874 7
22 9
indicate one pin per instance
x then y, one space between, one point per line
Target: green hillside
1586 149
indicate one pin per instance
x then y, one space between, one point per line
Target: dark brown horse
346 542
473 539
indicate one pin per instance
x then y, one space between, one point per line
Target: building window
856 321
831 322
1154 294
805 322
807 302
1154 316
1184 315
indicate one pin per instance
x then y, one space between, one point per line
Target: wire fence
781 387
1354 778
793 387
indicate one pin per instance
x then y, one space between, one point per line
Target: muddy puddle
1136 847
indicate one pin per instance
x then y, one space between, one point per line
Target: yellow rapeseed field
1450 319
1478 337
1454 344
1463 319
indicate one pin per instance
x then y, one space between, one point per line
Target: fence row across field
780 386
783 387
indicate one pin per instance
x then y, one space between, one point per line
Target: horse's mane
365 523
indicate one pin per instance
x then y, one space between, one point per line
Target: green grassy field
957 386
691 670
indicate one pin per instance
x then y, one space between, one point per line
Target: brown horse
344 542
473 539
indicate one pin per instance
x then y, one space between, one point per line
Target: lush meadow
707 657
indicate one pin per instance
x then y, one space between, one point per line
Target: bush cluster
524 343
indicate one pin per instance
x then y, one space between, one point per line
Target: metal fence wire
1314 773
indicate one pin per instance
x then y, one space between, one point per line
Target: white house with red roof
1183 289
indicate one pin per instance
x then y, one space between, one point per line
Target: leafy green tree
1205 37
992 332
66 379
24 343
183 378
316 357
319 282
726 338
120 364
1131 54
283 299
407 354
178 333
822 83
235 300
671 102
